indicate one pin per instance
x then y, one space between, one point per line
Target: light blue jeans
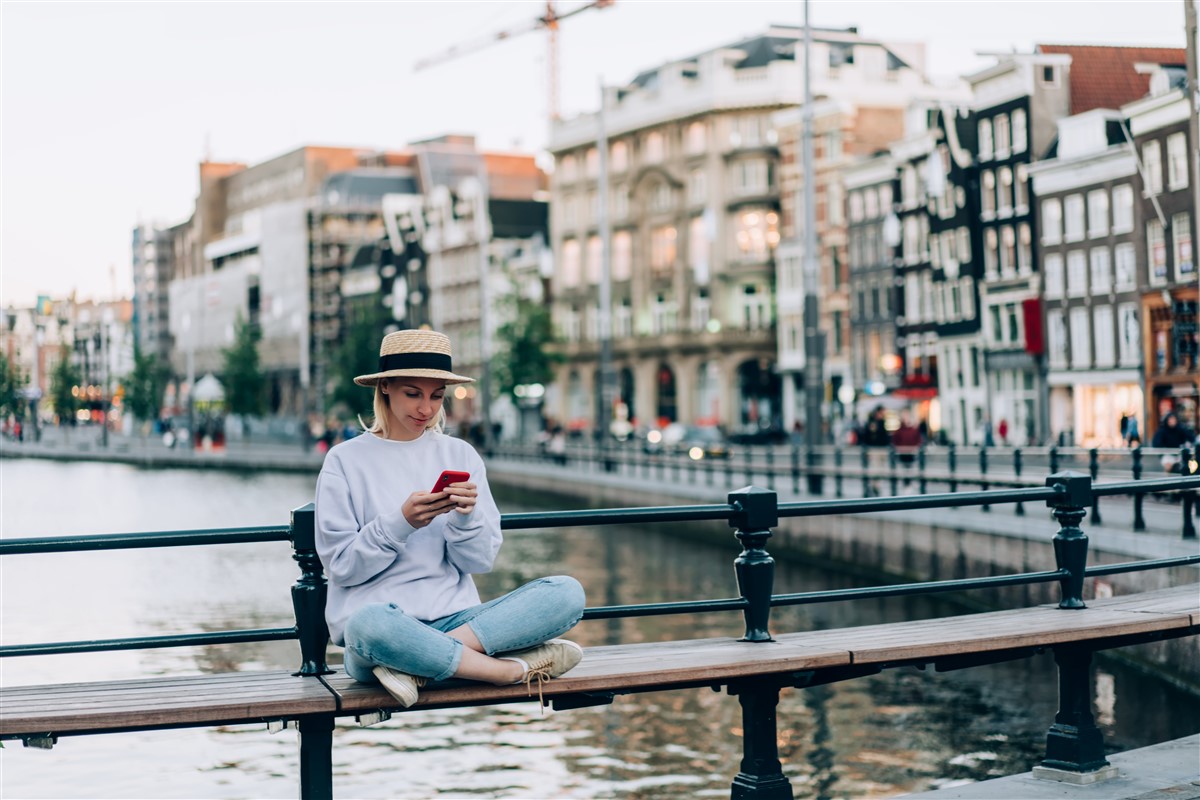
382 634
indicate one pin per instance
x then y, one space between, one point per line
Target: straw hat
414 354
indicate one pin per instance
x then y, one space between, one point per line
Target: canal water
904 730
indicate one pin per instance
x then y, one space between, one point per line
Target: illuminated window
662 248
756 233
619 158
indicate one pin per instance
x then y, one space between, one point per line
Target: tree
64 386
244 382
358 354
523 356
144 387
11 401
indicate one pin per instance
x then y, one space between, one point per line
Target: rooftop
1104 76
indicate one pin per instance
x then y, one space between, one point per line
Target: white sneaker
399 685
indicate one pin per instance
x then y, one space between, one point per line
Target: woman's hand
422 507
464 495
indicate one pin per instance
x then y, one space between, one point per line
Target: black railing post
921 467
892 478
1020 511
316 757
952 465
761 776
816 481
1189 497
770 452
983 481
1070 543
1139 521
756 512
308 594
865 459
1053 459
796 468
1074 744
837 475
1094 469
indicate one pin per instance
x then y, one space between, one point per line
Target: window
1101 271
1005 191
1021 189
756 233
833 145
746 131
1008 251
593 264
751 176
968 297
1073 217
570 212
1020 136
1097 202
1177 167
856 206
1181 238
697 187
1125 266
1024 249
697 138
987 184
1054 276
1056 338
1014 322
985 139
833 196
701 310
754 309
1122 208
661 198
990 252
662 248
622 256
1152 164
1081 340
964 245
653 148
874 204
1102 333
620 203
591 161
912 237
1051 221
908 185
619 158
1049 75
567 169
570 262
698 249
1129 336
1076 273
1156 252
1002 137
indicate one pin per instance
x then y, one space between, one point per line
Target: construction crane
549 21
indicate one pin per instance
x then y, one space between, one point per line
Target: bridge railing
866 471
752 512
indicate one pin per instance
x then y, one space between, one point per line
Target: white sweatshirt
370 552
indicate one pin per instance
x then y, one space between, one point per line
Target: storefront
1086 407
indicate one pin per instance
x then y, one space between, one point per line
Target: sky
106 109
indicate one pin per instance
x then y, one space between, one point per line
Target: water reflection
903 730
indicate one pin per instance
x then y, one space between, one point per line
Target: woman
400 558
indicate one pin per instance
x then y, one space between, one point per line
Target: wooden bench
42 713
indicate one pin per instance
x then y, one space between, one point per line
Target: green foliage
65 377
11 401
144 387
522 354
245 386
358 354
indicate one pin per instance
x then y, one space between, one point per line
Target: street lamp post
814 338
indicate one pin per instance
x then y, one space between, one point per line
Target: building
695 198
1090 266
1165 214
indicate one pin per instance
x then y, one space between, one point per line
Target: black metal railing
752 512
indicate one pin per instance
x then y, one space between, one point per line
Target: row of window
1001 195
746 130
1176 164
870 203
755 235
1094 272
747 178
941 302
1066 220
662 316
1095 338
1003 135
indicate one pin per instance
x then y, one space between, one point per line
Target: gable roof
1104 76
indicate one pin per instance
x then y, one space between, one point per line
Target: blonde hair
380 424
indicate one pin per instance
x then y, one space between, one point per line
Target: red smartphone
448 477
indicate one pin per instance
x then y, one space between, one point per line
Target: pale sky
107 108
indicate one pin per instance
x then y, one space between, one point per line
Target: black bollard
1187 467
816 481
865 459
837 475
1053 459
757 511
892 478
1070 543
1020 510
952 463
308 594
770 452
921 467
796 468
983 481
1139 521
1094 469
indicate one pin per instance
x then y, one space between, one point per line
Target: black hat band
439 361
